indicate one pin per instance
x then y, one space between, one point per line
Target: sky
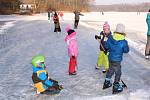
105 2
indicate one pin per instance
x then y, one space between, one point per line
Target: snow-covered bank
6 26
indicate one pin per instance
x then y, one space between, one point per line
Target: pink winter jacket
72 44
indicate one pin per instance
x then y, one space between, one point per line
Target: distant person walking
61 14
56 23
49 14
147 49
77 18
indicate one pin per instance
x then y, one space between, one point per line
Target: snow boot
104 71
96 67
107 83
146 57
74 73
117 88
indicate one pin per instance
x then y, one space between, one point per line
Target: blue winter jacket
43 77
148 23
116 46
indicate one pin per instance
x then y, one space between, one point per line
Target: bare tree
43 5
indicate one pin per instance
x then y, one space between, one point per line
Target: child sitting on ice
72 50
116 46
103 54
42 83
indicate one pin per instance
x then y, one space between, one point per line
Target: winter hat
106 26
37 59
120 28
70 31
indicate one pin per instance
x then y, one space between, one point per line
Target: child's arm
43 77
107 44
126 47
81 14
97 37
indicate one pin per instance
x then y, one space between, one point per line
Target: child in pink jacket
72 49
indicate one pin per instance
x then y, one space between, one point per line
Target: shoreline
5 25
2 23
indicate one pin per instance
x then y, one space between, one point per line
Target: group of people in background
112 46
53 15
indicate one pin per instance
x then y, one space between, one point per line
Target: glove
105 52
97 37
73 57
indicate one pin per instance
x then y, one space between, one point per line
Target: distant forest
143 7
11 6
66 5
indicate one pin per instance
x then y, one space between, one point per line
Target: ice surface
32 35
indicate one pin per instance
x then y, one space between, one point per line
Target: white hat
120 28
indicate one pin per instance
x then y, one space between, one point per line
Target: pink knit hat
106 26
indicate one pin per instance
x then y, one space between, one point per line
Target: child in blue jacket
116 46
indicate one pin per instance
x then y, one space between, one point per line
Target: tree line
65 5
10 6
69 4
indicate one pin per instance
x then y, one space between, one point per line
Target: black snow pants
114 67
76 24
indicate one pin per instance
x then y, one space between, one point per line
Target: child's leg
75 63
110 71
117 69
52 90
147 50
106 62
100 59
109 74
116 85
76 23
72 65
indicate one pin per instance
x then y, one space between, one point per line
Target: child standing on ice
103 54
116 46
72 50
41 80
